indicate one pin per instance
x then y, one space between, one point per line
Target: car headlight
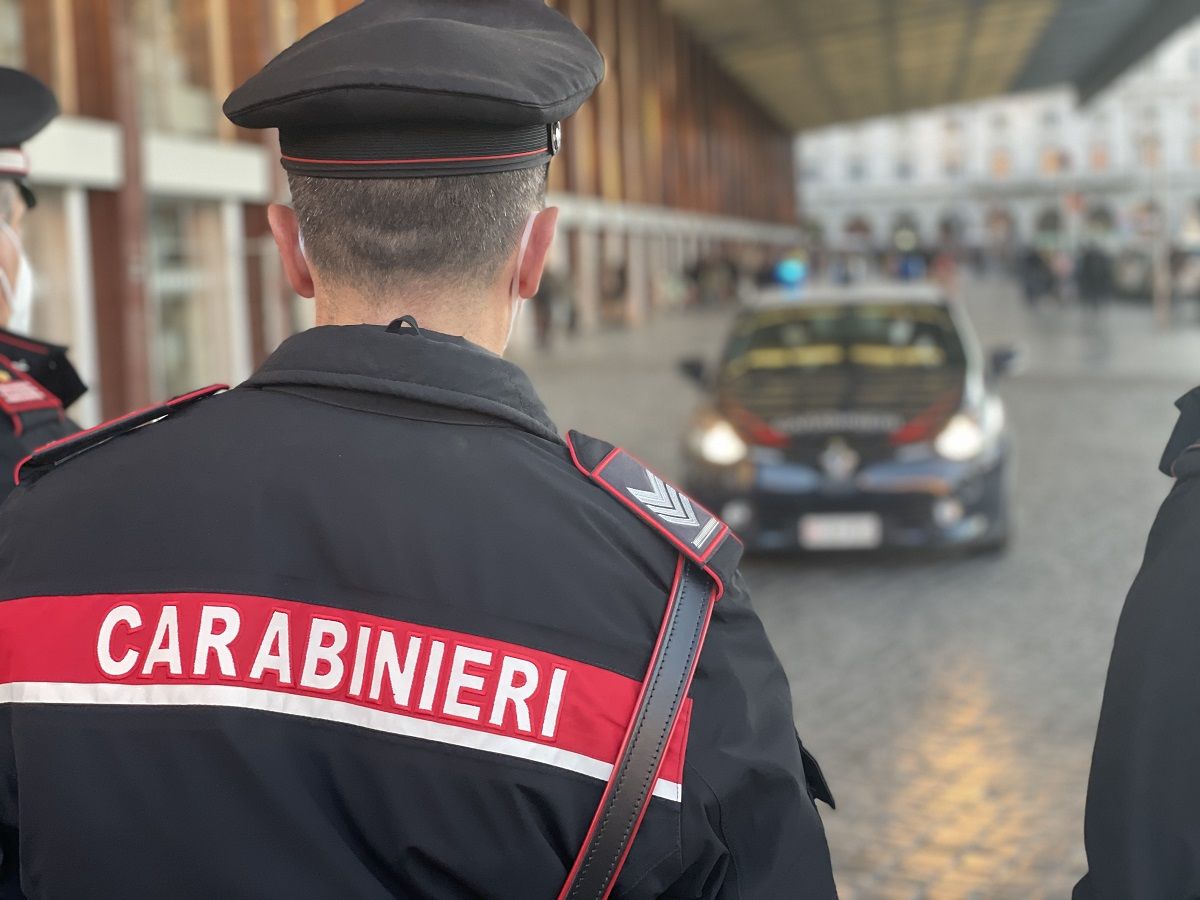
717 442
962 439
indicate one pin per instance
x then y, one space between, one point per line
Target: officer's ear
285 228
540 239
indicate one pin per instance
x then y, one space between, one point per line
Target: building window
1195 152
1000 123
812 171
176 66
1001 165
190 337
1050 118
1194 59
1149 151
904 169
12 51
953 150
856 169
1054 161
1099 158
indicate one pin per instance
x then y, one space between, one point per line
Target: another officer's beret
420 88
26 107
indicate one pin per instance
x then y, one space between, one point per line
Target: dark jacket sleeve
750 828
1142 827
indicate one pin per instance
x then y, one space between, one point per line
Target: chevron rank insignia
696 532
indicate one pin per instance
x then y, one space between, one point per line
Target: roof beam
895 87
789 11
958 77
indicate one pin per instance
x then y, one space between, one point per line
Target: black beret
26 107
415 88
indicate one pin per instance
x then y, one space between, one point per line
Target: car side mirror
1006 361
695 370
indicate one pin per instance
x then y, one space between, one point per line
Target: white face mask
516 297
18 296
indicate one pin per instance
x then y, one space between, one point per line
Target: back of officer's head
416 135
417 236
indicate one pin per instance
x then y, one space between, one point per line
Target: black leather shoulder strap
708 557
627 795
55 454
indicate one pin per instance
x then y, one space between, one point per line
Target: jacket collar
417 364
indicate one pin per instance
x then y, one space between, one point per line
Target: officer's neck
482 320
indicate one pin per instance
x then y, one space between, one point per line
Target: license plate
836 531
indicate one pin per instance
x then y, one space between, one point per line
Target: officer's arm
748 820
1143 812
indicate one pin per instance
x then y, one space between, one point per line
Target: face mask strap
19 296
516 282
15 239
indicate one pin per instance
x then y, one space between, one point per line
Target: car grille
897 510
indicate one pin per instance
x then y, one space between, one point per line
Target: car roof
849 295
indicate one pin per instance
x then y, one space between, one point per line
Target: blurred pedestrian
551 300
1035 276
911 266
367 625
1094 276
1062 271
945 271
1142 827
37 381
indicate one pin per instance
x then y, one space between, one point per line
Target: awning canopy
817 62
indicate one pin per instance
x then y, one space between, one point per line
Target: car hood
844 401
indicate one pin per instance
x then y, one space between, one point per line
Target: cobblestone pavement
952 701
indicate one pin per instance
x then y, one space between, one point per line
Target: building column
85 349
585 272
132 212
240 355
637 279
658 269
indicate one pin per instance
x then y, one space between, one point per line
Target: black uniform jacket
37 383
360 628
1143 809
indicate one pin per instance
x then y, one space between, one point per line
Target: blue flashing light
791 272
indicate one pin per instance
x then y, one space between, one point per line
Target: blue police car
853 418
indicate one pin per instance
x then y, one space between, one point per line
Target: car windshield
884 337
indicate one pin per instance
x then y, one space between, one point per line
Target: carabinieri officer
37 381
367 625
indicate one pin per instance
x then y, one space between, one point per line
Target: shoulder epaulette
689 527
23 400
46 458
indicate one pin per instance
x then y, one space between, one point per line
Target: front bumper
924 503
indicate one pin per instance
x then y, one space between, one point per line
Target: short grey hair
419 235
